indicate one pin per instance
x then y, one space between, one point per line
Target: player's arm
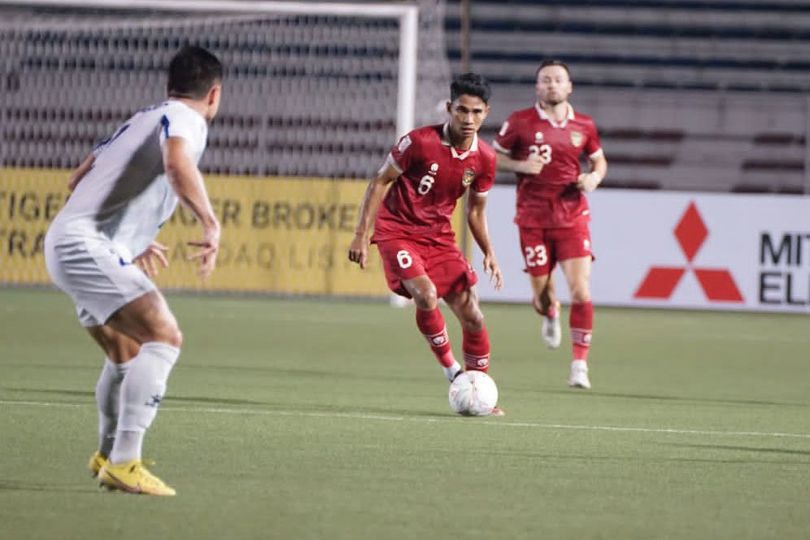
80 171
532 165
187 182
477 220
589 181
375 192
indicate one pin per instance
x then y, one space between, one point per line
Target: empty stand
688 94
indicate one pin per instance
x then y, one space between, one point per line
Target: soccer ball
473 393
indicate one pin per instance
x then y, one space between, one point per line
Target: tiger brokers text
278 214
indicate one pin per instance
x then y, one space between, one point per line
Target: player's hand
587 182
531 165
358 250
207 254
146 260
491 267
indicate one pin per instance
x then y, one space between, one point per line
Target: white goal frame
406 14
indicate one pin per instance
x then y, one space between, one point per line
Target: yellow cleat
133 477
97 461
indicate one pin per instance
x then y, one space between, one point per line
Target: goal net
314 93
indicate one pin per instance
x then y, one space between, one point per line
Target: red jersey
551 198
433 176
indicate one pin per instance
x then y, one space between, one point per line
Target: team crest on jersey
576 138
538 136
469 176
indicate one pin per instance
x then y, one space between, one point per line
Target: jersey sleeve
507 136
593 146
402 154
486 178
177 122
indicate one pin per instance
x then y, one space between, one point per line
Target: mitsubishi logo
717 283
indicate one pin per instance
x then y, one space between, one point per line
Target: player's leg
405 273
120 296
538 254
475 342
455 282
545 303
578 272
148 321
119 350
431 323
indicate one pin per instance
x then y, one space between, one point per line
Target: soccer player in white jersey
101 247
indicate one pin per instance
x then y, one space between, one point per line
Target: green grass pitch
304 419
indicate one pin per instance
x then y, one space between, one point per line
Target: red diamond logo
691 232
717 283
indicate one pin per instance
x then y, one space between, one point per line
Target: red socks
431 324
581 322
476 349
475 344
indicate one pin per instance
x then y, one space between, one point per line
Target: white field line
392 418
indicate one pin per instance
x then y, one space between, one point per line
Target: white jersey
126 197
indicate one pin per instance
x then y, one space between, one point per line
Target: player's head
471 84
468 105
553 82
196 74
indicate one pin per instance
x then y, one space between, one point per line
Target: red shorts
544 248
444 264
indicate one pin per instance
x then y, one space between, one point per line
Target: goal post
314 96
406 14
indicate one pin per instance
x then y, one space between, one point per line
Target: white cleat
551 330
579 375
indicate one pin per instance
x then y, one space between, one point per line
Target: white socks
452 371
141 394
107 399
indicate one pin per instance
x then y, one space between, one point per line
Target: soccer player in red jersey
427 171
542 145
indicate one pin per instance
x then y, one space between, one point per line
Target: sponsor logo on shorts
434 168
538 136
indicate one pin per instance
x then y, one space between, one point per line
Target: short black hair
192 73
552 62
471 84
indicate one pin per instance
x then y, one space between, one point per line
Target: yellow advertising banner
279 235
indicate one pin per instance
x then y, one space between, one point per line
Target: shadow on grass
321 374
754 449
169 399
653 397
16 485
266 406
49 391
